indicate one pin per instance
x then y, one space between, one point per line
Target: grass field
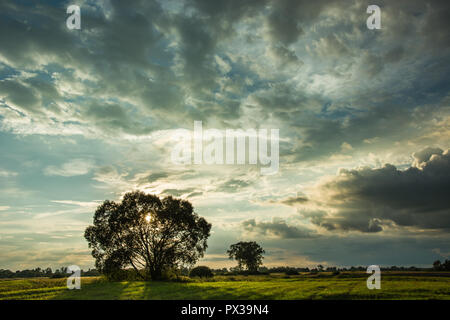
402 285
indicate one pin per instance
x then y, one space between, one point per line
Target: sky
363 116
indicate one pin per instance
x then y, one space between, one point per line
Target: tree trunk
156 273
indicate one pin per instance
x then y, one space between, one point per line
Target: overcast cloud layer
86 115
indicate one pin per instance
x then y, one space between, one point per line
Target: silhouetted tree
437 265
48 272
249 254
201 271
446 265
146 233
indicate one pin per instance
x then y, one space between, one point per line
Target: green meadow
275 286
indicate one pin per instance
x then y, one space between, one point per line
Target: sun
147 218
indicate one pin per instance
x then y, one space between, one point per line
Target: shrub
291 272
59 275
202 272
121 275
182 279
170 274
125 275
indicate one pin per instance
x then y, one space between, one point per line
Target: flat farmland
345 286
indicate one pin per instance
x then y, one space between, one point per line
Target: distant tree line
206 272
296 270
47 273
293 270
438 266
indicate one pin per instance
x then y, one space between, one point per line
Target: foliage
201 271
40 273
438 266
147 233
291 272
286 269
249 254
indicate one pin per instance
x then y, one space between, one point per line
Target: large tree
249 254
146 233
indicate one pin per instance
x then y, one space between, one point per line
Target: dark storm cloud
277 228
286 21
383 119
123 50
330 46
197 48
128 51
113 51
406 21
437 27
199 35
285 56
111 118
283 100
28 29
287 17
19 95
367 199
228 11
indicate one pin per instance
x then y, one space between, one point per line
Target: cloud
288 18
278 228
18 94
330 45
367 199
4 173
153 177
442 254
75 167
113 119
83 204
233 185
422 157
284 56
293 201
179 192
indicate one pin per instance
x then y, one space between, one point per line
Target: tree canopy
248 254
146 233
202 272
